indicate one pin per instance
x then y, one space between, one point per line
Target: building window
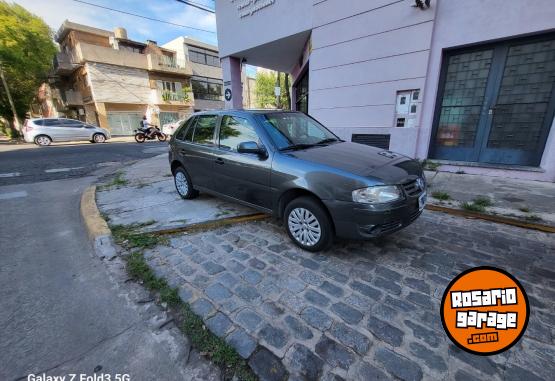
301 92
207 88
204 58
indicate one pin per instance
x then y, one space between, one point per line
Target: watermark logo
485 310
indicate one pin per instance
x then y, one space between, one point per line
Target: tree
26 52
264 88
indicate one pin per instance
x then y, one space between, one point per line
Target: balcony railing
168 64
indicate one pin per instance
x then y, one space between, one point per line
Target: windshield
290 130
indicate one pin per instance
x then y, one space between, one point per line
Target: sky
54 12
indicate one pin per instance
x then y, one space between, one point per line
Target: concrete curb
492 218
209 225
97 229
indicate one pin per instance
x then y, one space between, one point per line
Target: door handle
182 151
220 161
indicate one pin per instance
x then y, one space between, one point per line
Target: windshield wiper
297 146
328 140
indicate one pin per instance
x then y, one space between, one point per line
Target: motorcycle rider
147 128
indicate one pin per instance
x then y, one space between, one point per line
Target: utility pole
15 118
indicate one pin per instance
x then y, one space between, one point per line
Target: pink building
469 84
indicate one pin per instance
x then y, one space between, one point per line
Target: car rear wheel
183 184
99 138
308 224
43 140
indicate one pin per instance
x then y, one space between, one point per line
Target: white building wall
362 54
118 84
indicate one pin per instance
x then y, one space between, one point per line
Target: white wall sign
248 8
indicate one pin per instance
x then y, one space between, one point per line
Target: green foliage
26 53
524 209
483 201
117 181
131 237
264 88
472 207
441 195
532 218
430 165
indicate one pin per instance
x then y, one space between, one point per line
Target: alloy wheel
181 183
304 226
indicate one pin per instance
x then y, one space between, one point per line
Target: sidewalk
144 193
527 200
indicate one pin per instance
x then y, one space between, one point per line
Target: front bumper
363 221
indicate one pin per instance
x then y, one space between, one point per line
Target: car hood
363 160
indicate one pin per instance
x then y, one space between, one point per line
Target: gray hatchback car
289 165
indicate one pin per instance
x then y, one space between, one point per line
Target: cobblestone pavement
362 310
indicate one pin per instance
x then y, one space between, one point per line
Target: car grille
411 188
396 225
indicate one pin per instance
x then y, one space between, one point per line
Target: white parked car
169 128
43 131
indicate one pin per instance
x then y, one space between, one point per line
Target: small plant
129 236
524 209
460 172
117 181
444 196
472 207
532 218
430 165
482 201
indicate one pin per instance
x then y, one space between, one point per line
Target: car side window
51 122
186 128
235 130
71 123
205 129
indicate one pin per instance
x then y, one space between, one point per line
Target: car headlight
377 195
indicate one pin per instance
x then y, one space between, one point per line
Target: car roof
243 111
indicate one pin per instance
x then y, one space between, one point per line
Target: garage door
124 123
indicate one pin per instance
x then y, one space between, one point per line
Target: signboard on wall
248 8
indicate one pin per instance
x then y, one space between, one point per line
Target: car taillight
27 128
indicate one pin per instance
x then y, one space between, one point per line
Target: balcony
63 64
171 98
165 64
87 52
73 98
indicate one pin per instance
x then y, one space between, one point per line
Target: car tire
42 140
183 184
308 224
99 138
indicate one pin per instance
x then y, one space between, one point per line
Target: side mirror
251 147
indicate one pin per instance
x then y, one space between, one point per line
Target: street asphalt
28 163
62 310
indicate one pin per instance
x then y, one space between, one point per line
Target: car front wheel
99 138
308 224
183 184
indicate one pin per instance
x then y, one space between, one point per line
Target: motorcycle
141 135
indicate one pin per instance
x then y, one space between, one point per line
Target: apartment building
470 84
206 80
109 80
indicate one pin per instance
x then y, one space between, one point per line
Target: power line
144 17
198 6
